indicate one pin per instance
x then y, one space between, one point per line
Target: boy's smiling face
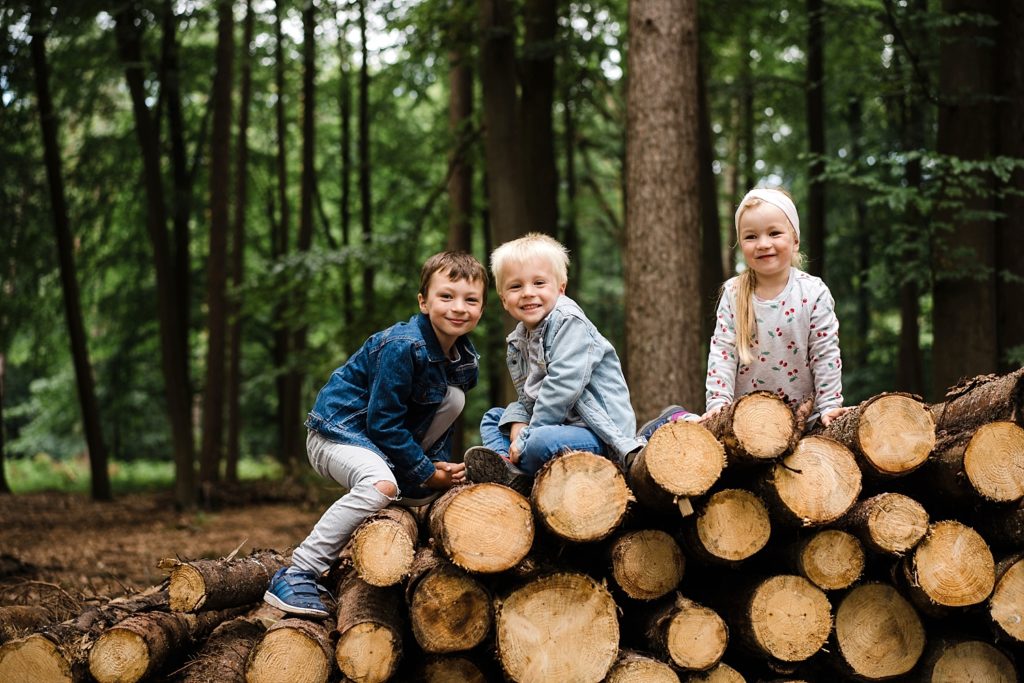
529 291
454 307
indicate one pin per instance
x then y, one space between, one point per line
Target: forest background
206 205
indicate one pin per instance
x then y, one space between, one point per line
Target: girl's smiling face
768 241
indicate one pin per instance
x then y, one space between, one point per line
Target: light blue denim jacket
583 376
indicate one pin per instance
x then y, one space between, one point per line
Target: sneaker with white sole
485 465
297 592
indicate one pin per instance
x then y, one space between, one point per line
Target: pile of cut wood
889 545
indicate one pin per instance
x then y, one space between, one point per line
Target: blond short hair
533 246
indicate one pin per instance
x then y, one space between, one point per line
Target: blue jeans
544 442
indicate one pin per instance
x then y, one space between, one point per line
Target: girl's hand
709 414
828 417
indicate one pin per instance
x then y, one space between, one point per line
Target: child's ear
423 303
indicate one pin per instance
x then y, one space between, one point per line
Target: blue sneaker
670 414
296 592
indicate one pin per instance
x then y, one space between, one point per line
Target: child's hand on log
446 475
828 416
709 414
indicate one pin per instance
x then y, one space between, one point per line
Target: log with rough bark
218 584
60 651
142 644
892 434
484 528
980 400
1006 605
223 656
580 496
951 567
888 523
646 563
985 464
878 634
369 630
783 619
30 605
635 667
449 610
757 427
561 627
293 650
682 459
691 636
831 559
814 485
382 548
730 526
966 661
450 670
723 673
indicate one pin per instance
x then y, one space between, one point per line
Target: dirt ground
107 549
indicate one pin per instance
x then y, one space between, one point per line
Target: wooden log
682 459
217 584
60 651
223 656
951 567
888 523
985 464
783 619
966 661
382 548
831 559
878 634
369 630
17 621
635 667
450 670
30 605
814 485
562 627
646 563
980 400
1006 604
691 636
723 673
892 433
294 650
731 526
484 528
142 644
580 496
450 611
757 427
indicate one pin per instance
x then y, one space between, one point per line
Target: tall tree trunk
216 265
365 198
175 374
345 114
663 206
570 235
460 123
502 141
863 320
4 486
1010 124
964 314
100 478
286 408
711 272
814 230
537 87
234 381
747 122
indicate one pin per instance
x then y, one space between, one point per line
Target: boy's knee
388 488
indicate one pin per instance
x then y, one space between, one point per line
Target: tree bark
983 465
815 102
712 274
980 400
348 304
663 207
99 477
537 87
216 265
222 657
365 191
460 123
201 585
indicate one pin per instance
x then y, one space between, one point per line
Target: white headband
775 198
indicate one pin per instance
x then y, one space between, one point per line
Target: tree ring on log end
763 425
832 559
953 565
581 496
819 481
733 525
973 660
994 461
684 458
1007 603
878 632
896 434
34 658
791 617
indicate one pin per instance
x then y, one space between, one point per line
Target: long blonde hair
746 283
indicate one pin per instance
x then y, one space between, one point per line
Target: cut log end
723 673
536 623
733 525
1006 605
818 482
382 551
764 425
187 588
879 635
890 523
34 658
684 459
994 461
647 564
449 611
790 618
119 655
368 652
832 559
895 434
632 667
581 496
971 660
291 650
484 528
451 670
696 637
953 566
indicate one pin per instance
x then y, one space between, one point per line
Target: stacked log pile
888 546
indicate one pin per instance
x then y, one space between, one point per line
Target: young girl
776 327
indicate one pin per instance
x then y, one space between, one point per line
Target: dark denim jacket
387 393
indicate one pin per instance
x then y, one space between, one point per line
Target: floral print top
796 349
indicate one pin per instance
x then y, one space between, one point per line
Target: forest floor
93 549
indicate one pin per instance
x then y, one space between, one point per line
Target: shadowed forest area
206 205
